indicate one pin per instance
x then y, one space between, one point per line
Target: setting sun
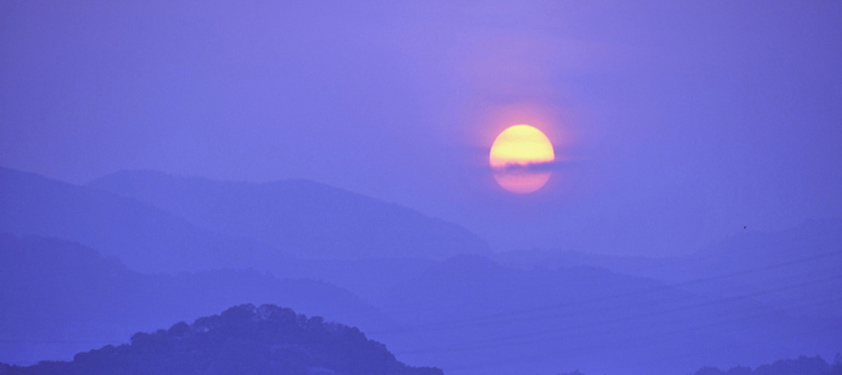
518 158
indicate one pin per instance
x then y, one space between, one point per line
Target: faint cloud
549 166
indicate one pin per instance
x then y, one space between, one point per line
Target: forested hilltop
242 340
801 366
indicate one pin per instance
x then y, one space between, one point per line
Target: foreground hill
58 298
308 219
242 340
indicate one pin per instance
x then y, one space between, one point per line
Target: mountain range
135 250
305 219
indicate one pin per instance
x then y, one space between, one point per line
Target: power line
515 313
513 339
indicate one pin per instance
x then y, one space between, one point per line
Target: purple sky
680 122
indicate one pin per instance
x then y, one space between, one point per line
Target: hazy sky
679 122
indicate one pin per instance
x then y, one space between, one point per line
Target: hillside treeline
242 340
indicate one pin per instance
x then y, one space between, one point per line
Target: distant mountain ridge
805 260
197 224
143 237
306 219
242 340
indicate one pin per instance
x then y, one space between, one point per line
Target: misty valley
141 272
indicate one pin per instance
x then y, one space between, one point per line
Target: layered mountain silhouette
242 340
471 312
154 222
143 237
58 298
797 270
426 288
306 219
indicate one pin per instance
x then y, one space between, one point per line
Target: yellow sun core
520 157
